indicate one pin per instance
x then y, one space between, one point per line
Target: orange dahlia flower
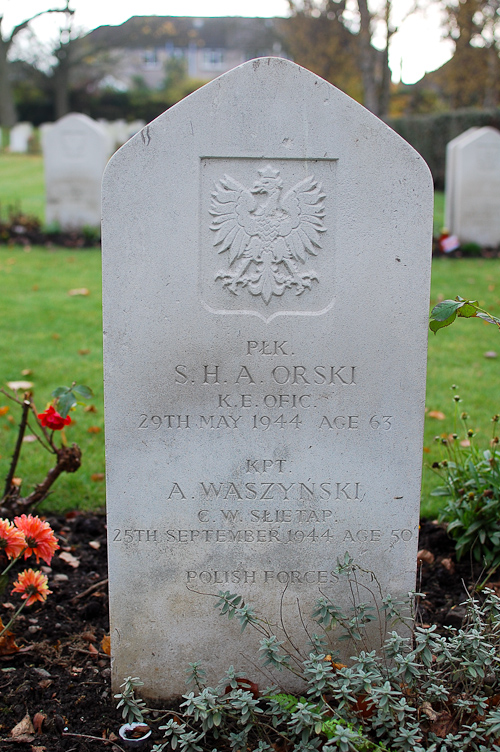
11 539
32 585
39 537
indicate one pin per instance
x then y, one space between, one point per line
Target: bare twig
17 450
95 738
69 460
89 590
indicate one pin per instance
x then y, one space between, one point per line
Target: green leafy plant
445 313
418 691
133 708
471 491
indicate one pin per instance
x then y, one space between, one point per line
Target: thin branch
89 590
17 450
24 24
95 738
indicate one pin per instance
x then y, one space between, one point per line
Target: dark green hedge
429 134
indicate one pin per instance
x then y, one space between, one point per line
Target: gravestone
20 135
43 129
450 171
76 150
266 259
472 198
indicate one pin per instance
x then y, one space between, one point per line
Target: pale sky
416 48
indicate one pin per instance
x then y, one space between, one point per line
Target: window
213 59
150 60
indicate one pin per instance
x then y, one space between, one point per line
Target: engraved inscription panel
267 236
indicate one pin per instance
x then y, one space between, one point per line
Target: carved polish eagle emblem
266 233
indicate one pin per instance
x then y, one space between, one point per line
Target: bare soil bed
60 677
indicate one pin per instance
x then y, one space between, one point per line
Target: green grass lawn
438 213
58 337
22 184
47 331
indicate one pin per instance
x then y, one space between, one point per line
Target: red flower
32 585
11 539
39 537
50 418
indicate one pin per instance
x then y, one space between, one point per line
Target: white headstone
120 132
266 261
450 171
20 135
76 150
43 129
472 199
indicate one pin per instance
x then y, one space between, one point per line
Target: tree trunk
8 116
367 62
61 82
385 83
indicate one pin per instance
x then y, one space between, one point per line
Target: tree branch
20 27
17 450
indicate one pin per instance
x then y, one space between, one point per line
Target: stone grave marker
472 200
266 260
450 171
20 135
76 150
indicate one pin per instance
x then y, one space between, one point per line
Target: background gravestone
450 172
266 260
473 187
20 135
76 150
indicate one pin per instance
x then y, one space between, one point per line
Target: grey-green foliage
421 691
133 708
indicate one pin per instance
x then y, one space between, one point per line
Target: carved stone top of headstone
76 150
266 261
473 187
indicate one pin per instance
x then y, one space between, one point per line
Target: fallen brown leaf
4 409
56 336
7 642
443 725
94 429
97 476
84 351
19 385
449 565
106 645
92 649
424 555
26 372
17 482
23 728
90 409
429 711
70 559
38 749
38 720
79 291
436 414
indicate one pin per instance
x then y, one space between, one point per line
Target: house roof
232 32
